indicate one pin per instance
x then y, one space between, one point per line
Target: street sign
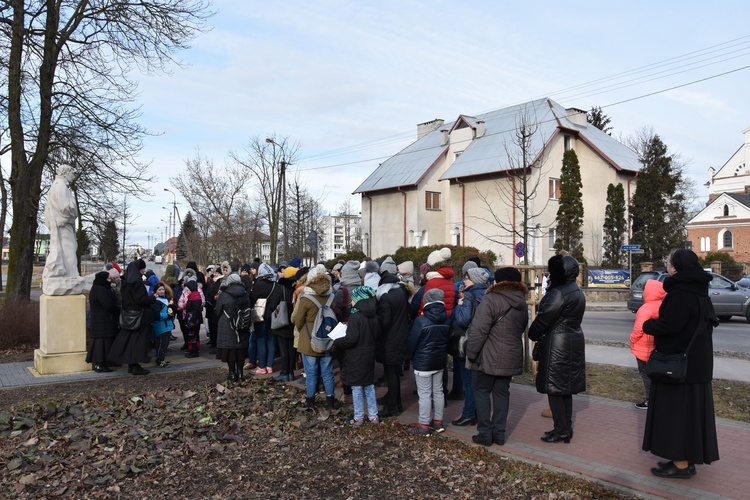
630 247
520 249
638 251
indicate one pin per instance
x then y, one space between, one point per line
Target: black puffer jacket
495 342
557 328
393 313
284 290
358 345
428 338
230 299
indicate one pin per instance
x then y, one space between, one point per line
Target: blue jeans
470 409
252 348
359 393
311 364
266 344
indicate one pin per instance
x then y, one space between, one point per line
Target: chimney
444 137
577 116
479 132
425 128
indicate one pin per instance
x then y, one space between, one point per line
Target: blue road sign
630 247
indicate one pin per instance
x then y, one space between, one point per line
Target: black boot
310 402
332 403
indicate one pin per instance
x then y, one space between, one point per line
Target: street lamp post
175 212
282 185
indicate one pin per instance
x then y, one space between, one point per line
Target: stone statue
60 276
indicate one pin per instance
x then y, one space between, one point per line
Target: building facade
339 234
464 183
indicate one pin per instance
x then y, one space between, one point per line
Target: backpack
241 318
325 322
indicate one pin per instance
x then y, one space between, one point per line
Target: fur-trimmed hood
505 286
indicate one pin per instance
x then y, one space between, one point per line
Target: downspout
513 252
369 224
463 212
404 193
630 225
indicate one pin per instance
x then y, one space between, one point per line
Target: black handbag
130 319
669 368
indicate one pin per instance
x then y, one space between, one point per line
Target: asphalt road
733 335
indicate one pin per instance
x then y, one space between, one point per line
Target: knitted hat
389 265
318 270
192 285
113 274
469 265
362 293
295 262
232 278
507 274
434 295
301 273
156 286
406 268
338 266
372 267
350 273
246 268
424 269
479 276
439 256
290 272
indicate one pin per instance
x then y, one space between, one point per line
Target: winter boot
332 403
310 402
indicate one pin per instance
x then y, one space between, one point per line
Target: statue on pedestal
60 276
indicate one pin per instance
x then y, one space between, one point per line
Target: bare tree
515 191
67 76
266 160
305 215
218 200
595 235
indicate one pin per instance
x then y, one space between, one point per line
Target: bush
459 256
355 255
20 322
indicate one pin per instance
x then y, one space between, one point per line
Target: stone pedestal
62 335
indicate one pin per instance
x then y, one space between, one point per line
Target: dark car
727 297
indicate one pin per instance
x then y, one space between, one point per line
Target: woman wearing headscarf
262 287
494 349
103 321
231 344
680 423
131 346
562 348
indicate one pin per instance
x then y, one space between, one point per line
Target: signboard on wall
609 278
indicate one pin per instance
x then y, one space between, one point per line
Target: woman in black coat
284 292
131 346
231 344
680 423
104 315
395 323
561 346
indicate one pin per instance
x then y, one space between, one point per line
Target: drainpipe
513 252
369 224
404 193
463 212
630 226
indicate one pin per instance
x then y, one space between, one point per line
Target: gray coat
495 337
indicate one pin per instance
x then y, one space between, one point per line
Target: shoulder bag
669 368
280 315
259 308
130 319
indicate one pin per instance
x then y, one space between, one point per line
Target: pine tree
658 209
187 237
598 119
109 245
570 210
615 226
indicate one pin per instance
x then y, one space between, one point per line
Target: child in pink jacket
641 344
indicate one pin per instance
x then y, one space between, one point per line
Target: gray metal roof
487 154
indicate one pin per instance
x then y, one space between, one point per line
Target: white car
158 259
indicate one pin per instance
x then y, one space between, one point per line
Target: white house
460 183
734 175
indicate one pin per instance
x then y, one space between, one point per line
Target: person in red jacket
641 344
441 276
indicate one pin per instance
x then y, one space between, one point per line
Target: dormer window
726 210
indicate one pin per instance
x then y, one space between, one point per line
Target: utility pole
281 196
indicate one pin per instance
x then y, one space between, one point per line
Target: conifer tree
598 119
658 209
109 243
187 238
570 210
615 227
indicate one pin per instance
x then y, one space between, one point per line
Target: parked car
728 298
744 282
159 259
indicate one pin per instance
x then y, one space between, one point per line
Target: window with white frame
554 189
705 244
552 237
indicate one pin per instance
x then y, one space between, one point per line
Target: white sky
335 76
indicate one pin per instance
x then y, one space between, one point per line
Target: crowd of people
401 319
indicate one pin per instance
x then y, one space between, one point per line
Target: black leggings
562 412
288 354
393 380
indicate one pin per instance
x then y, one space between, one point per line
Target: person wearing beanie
261 337
152 281
191 304
103 320
295 262
468 302
441 277
358 354
350 275
163 325
390 349
231 345
680 423
561 369
371 277
438 257
246 277
389 265
315 293
494 350
284 335
426 347
131 346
